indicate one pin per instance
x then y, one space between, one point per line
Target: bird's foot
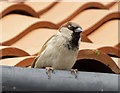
75 72
48 71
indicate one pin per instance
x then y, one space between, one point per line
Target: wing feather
42 49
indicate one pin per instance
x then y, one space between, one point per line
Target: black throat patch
73 43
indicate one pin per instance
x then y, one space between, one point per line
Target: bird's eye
71 27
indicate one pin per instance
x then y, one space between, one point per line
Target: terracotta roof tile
72 9
117 61
112 51
85 45
84 38
58 12
31 8
71 12
117 45
99 21
110 4
96 18
89 6
19 61
115 6
31 44
110 29
108 49
41 7
100 57
12 51
7 8
20 25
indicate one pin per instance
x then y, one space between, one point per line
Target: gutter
33 79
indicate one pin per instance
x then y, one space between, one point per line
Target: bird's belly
64 62
62 59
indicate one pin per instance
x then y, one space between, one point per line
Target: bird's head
72 32
70 29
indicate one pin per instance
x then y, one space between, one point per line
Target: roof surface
27 25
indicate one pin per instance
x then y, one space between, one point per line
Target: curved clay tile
115 6
107 34
96 18
88 5
19 61
84 38
15 26
108 17
71 9
86 45
111 4
117 61
117 45
26 62
12 51
41 7
113 51
100 57
7 7
34 40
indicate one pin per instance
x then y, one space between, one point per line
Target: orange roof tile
88 6
95 19
41 7
15 26
33 41
117 61
71 12
108 49
19 61
56 14
7 7
115 6
99 56
117 45
25 35
12 51
113 51
106 34
85 45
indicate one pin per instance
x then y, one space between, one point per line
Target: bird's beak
78 30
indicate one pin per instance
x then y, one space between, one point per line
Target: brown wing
42 49
33 65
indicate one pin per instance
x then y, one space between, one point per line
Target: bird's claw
75 72
48 71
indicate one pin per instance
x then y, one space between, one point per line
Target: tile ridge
22 7
40 24
111 16
99 56
110 50
12 51
47 8
83 8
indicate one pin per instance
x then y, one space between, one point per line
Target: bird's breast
57 55
64 58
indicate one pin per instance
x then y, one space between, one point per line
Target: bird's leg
75 72
48 71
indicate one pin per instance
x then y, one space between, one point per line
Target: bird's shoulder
45 44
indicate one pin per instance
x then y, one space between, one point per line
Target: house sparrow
61 50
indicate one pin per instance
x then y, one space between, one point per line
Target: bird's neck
74 42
